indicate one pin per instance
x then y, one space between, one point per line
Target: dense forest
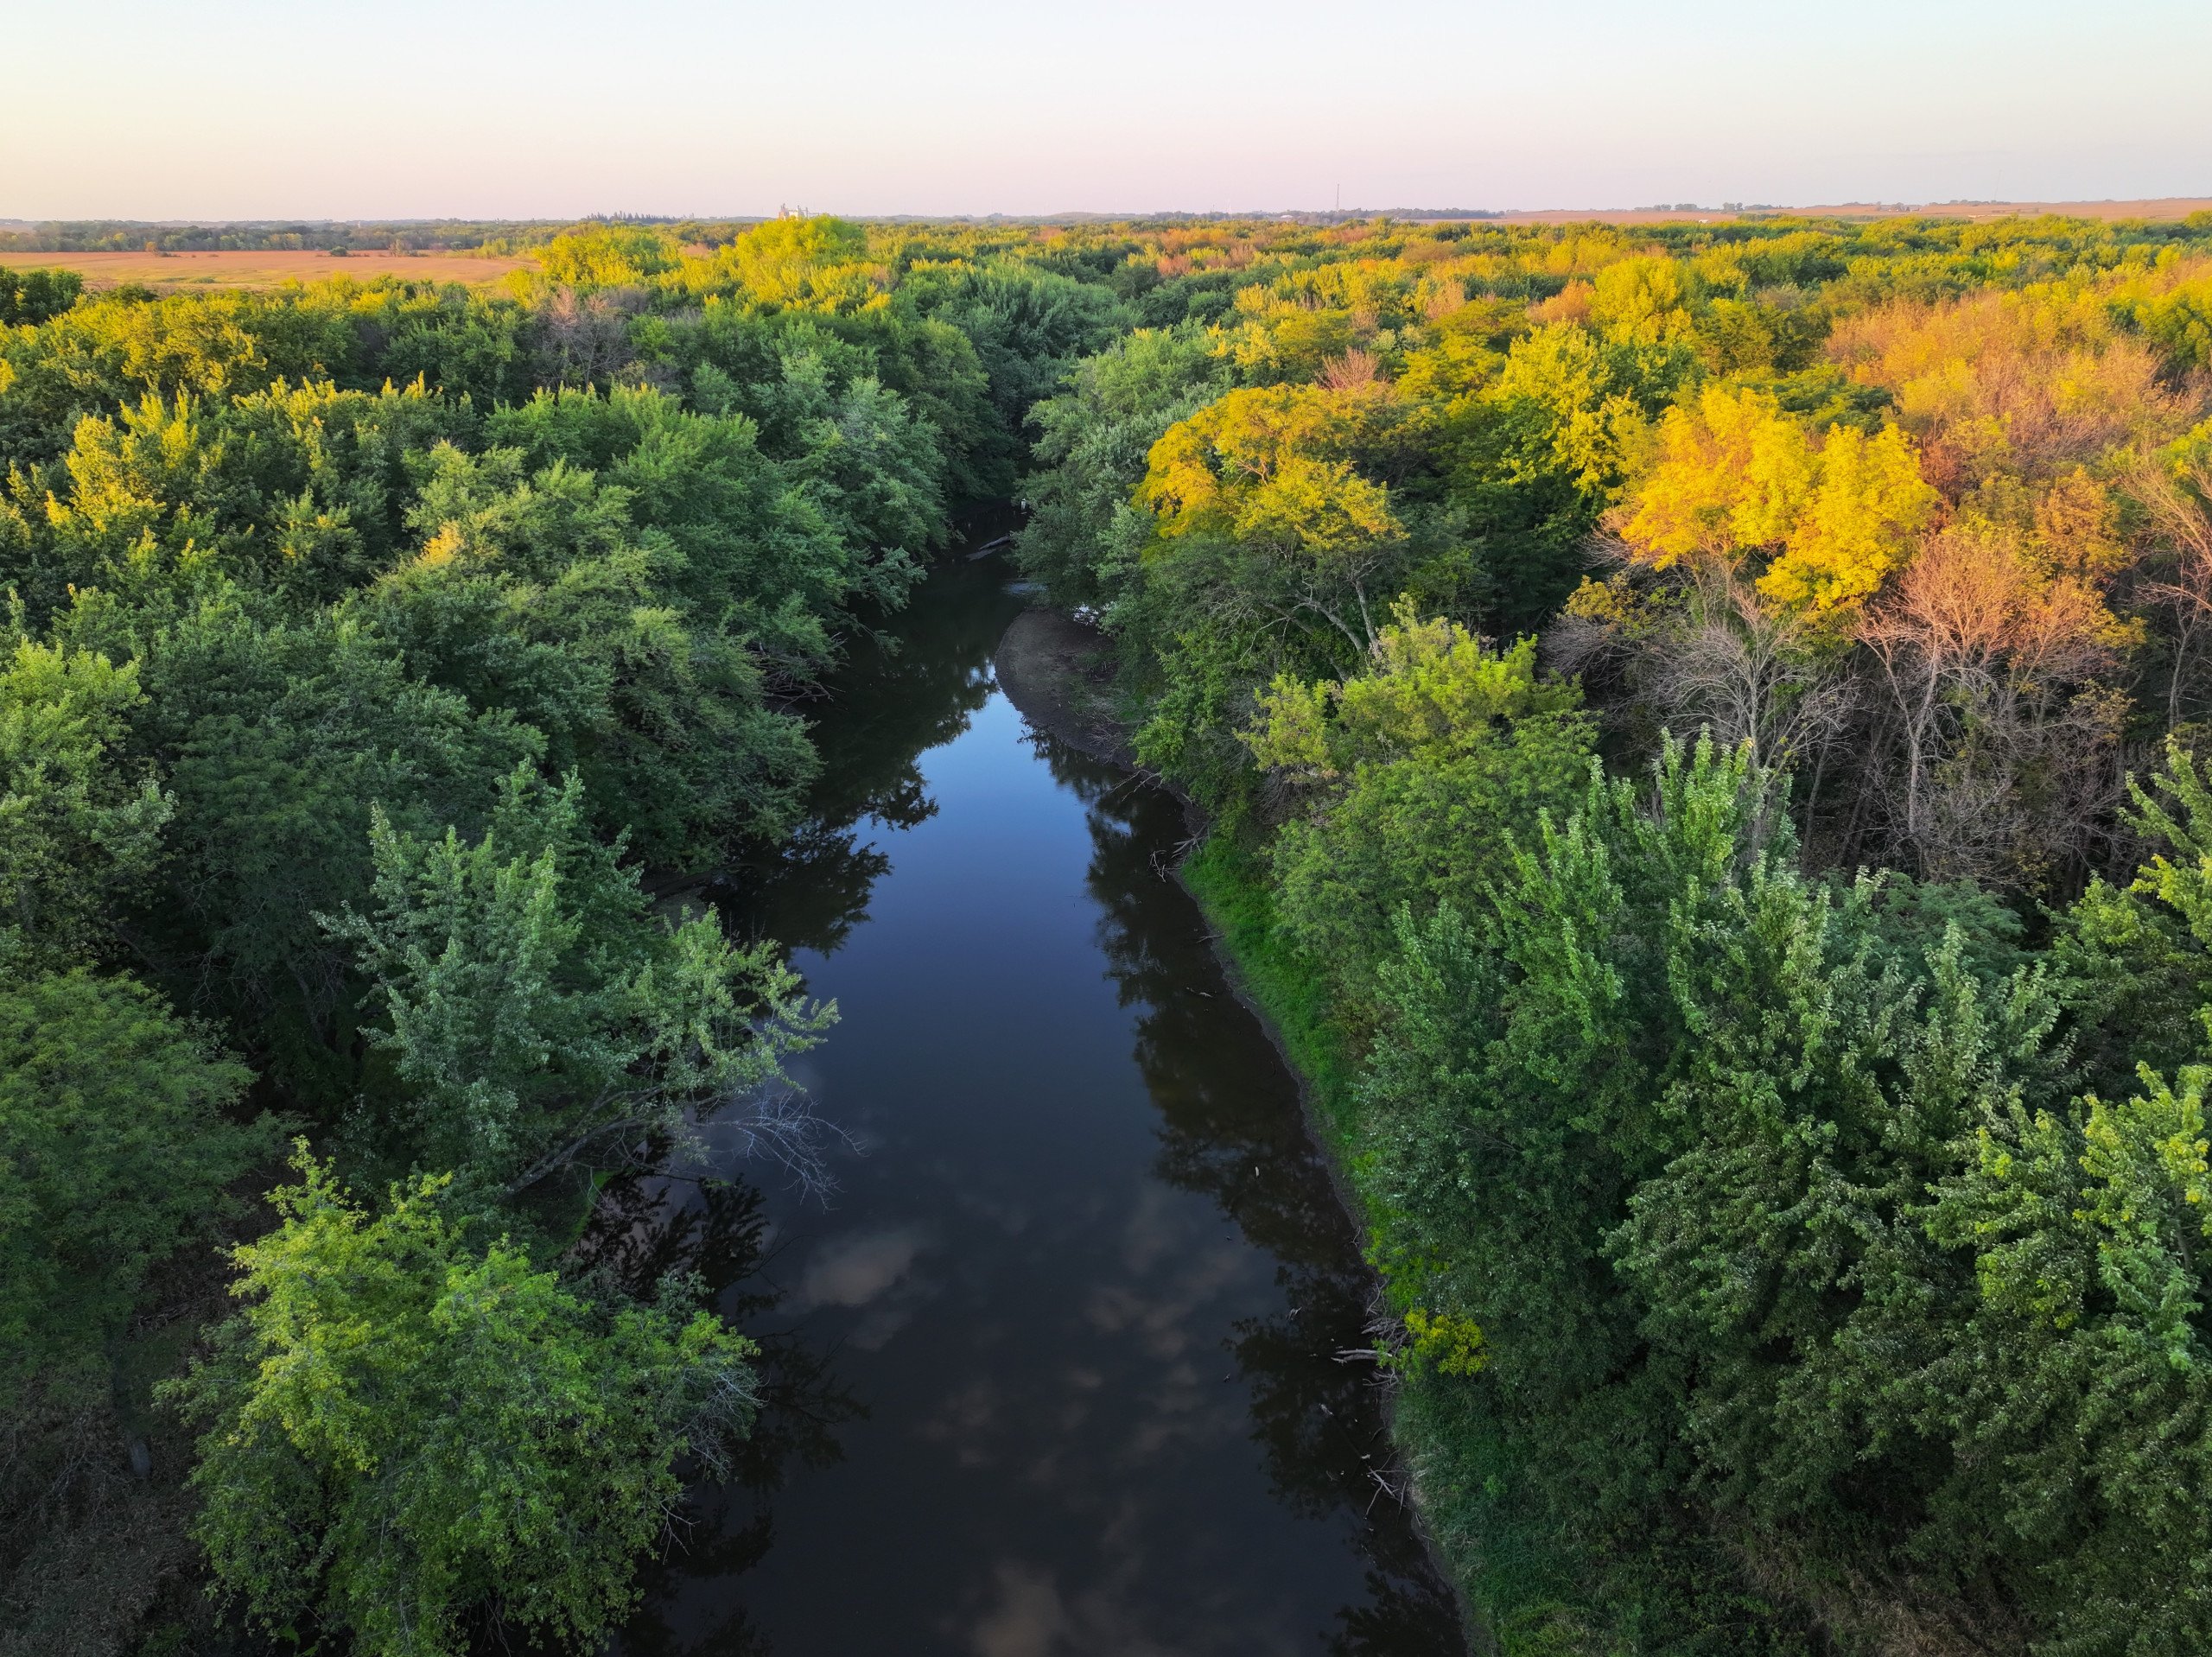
1697 727
386 659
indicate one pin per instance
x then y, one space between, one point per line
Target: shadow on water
901 692
1232 1127
1058 1369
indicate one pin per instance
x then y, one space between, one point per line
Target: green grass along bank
1513 1585
1515 1582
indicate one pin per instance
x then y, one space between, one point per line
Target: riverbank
1058 673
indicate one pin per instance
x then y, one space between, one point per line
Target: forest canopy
391 664
1700 725
1699 728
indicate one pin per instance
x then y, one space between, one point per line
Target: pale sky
485 108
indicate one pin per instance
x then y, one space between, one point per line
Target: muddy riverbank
1059 674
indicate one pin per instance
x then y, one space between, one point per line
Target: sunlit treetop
1734 476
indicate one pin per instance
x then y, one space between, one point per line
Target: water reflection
643 1231
1091 1281
901 692
1231 1127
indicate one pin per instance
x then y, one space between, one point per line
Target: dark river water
1055 1369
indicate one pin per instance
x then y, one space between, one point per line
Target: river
1057 1368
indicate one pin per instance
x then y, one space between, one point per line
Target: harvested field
263 269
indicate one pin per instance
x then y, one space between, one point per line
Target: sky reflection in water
1054 1371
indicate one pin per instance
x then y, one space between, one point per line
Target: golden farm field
261 269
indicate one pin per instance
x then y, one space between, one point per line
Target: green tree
278 740
795 261
1528 459
79 832
118 1140
2134 962
299 490
1414 780
407 1431
537 1015
28 297
656 697
1663 1122
2078 1385
118 347
1273 552
1083 537
1029 326
608 258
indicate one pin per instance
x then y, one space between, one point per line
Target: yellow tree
1735 477
1270 470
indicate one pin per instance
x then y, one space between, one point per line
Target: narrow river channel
1055 1368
